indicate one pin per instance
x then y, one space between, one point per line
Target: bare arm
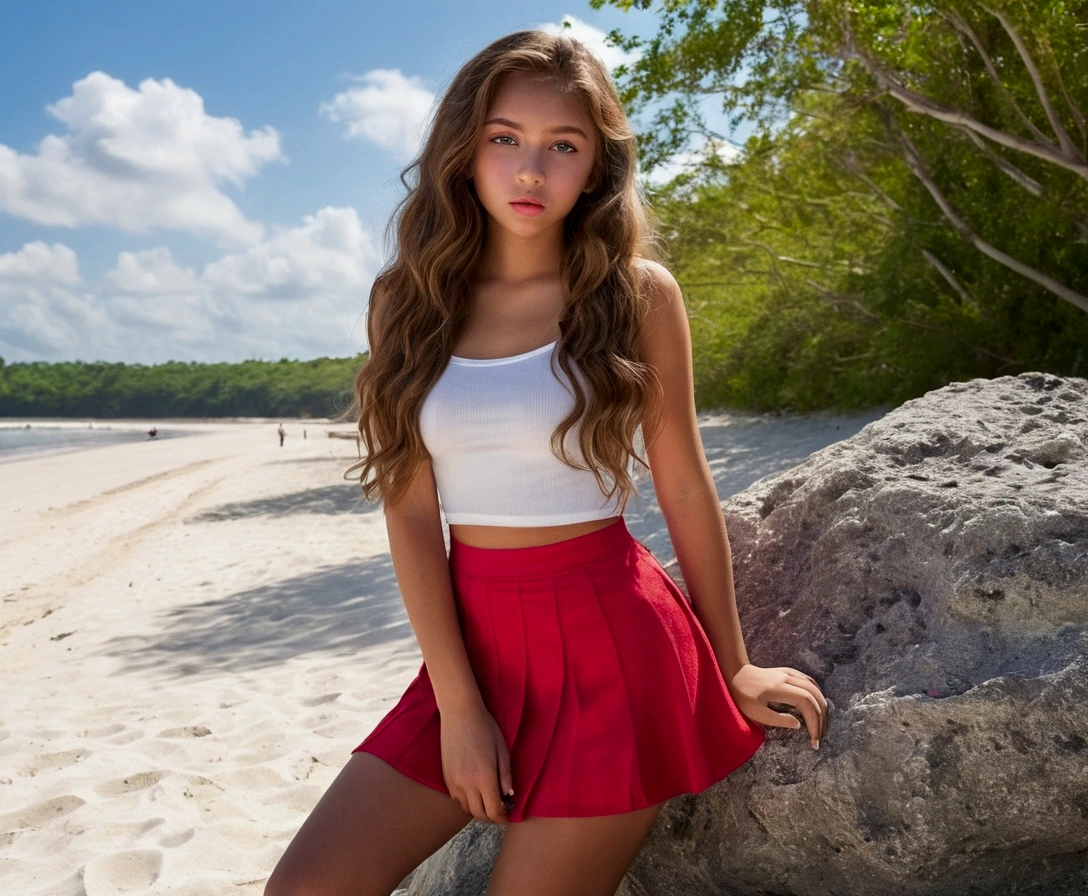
475 759
689 502
422 569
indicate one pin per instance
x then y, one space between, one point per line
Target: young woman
519 339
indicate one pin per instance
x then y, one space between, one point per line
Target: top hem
508 359
487 519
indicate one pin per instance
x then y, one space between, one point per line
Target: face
534 155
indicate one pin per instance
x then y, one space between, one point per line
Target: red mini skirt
599 675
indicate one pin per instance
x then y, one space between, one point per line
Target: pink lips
528 207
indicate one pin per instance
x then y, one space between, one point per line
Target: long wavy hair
420 301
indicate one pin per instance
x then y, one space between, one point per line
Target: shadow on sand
328 499
334 609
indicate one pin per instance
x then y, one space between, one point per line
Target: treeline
912 208
317 388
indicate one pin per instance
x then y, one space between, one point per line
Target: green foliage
912 210
316 388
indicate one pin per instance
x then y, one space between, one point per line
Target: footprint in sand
131 871
104 730
187 731
125 736
319 701
253 778
139 781
40 813
53 761
172 841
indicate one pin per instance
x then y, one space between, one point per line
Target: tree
860 251
956 84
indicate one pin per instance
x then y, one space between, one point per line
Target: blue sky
211 181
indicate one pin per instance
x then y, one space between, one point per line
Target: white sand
195 632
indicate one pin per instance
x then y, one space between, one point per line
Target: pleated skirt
597 671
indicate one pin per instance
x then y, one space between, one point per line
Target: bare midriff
522 536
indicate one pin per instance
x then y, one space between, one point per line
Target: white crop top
487 425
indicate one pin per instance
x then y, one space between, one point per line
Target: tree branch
961 25
1064 140
853 168
838 266
949 277
1049 283
1025 180
1078 116
916 102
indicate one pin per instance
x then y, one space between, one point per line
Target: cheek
490 167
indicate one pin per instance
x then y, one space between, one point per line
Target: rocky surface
931 573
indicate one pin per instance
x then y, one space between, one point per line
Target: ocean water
23 438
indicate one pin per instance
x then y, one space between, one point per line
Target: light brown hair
420 302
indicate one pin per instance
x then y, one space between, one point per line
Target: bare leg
372 826
569 856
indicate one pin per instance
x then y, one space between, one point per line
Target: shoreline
73 428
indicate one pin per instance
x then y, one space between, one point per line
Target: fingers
795 699
506 779
492 804
807 699
484 803
818 707
478 808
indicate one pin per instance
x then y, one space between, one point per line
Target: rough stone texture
932 574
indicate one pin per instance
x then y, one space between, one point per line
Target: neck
510 257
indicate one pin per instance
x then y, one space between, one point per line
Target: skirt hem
515 816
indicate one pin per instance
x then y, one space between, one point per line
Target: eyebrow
561 129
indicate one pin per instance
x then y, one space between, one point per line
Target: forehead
524 98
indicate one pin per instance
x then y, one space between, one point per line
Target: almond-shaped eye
504 137
570 147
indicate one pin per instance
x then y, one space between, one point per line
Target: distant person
282 433
569 687
154 431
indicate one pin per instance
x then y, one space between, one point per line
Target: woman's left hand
753 688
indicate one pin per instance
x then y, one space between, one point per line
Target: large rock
932 574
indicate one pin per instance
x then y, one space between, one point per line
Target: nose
531 171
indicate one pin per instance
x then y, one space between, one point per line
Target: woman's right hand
476 763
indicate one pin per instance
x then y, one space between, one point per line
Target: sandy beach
195 633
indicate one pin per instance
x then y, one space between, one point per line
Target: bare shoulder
673 445
664 332
664 290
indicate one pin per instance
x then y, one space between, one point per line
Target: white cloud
299 293
150 273
136 160
330 254
41 314
389 109
593 38
37 264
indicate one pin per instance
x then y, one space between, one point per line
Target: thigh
372 826
566 856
